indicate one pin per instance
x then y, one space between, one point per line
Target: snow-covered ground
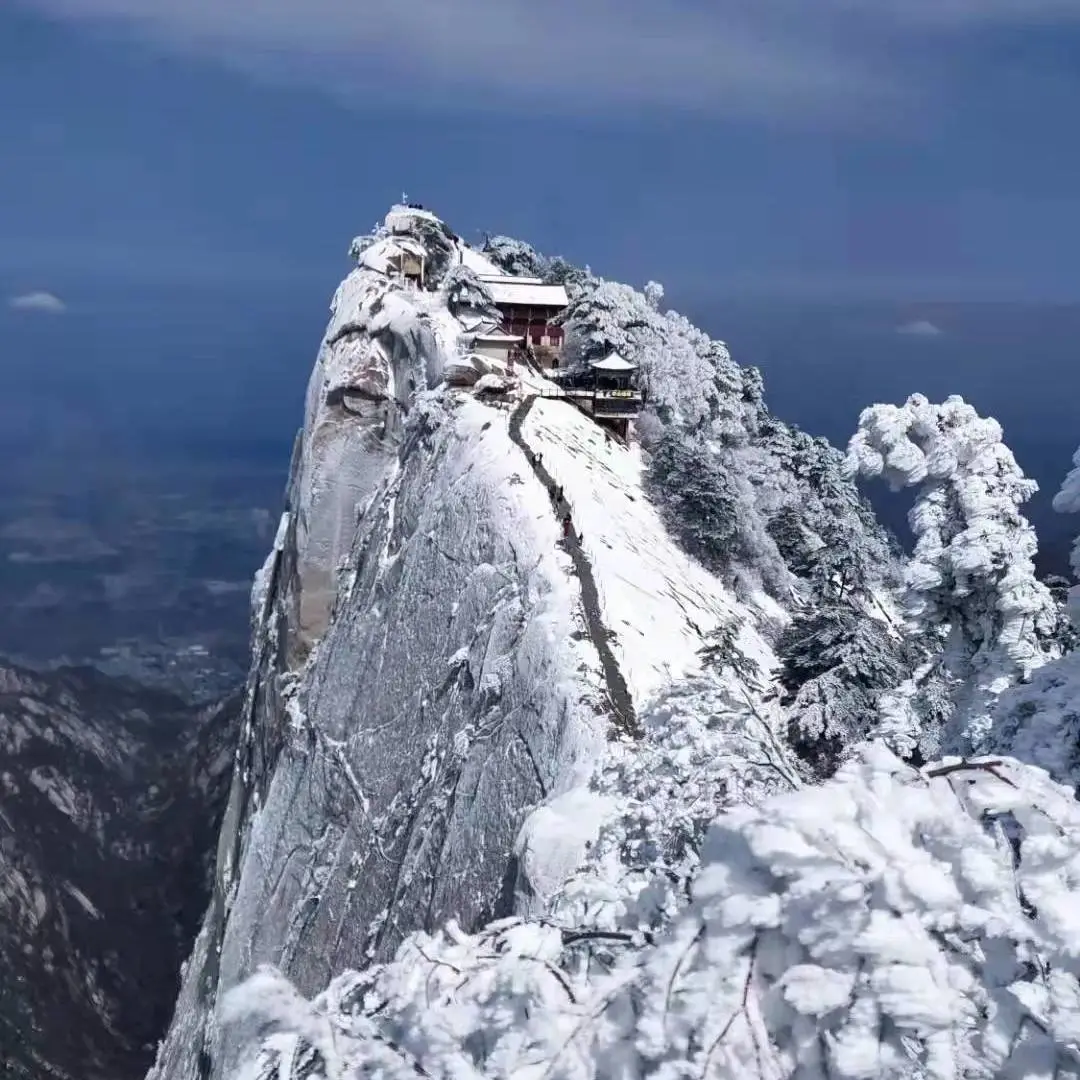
659 605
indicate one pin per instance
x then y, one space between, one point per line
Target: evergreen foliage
891 924
464 291
836 661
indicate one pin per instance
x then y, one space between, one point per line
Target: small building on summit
496 345
398 257
409 261
529 308
615 374
607 390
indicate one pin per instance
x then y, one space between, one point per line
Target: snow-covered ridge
425 670
660 606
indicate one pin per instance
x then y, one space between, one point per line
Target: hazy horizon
220 374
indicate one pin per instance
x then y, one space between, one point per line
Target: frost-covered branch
891 924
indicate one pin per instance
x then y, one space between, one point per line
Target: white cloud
38 301
827 58
920 328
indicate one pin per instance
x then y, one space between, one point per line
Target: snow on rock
82 899
454 690
890 924
402 219
555 838
492 384
1038 721
463 371
380 256
428 707
109 800
60 791
468 370
658 604
382 345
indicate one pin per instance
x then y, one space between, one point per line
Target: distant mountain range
110 800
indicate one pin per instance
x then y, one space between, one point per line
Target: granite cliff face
110 796
431 659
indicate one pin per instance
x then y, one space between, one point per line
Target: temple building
607 390
529 308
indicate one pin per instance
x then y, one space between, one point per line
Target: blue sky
900 148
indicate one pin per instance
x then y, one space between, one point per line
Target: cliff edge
434 655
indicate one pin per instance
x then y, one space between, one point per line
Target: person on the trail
566 524
558 495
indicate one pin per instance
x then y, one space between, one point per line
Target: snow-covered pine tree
752 497
464 290
1040 722
514 256
521 260
557 271
1066 633
688 376
837 659
842 648
1067 501
698 499
971 577
828 535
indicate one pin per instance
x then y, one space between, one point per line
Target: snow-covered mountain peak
392 335
495 639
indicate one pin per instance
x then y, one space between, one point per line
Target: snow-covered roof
498 337
401 219
613 362
525 291
477 322
413 247
517 279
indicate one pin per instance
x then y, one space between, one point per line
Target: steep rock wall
423 673
378 351
380 788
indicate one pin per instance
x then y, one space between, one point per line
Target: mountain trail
620 702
